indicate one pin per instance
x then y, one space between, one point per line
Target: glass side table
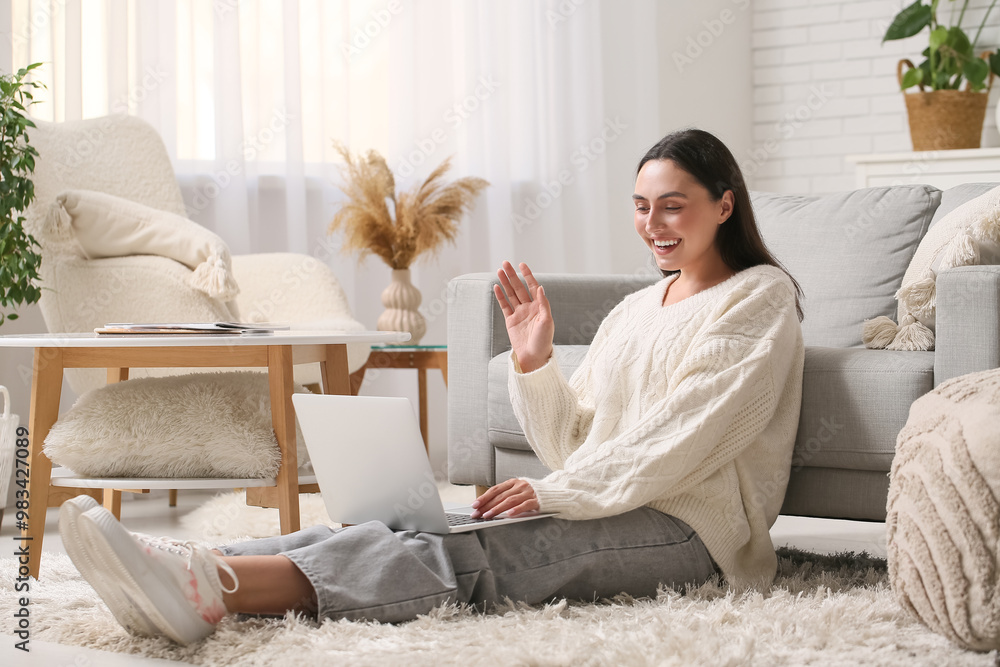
419 357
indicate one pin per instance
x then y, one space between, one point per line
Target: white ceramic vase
401 300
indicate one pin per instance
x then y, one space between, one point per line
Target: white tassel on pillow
987 228
962 251
879 333
967 235
57 228
912 336
58 222
214 277
919 297
986 232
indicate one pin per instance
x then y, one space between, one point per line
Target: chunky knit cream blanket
943 524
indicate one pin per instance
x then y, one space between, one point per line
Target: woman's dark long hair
705 157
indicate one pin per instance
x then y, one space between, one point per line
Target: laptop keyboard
463 519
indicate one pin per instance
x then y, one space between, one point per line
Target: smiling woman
679 225
688 399
693 211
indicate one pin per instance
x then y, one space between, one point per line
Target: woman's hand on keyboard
515 497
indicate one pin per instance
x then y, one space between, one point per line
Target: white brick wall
824 87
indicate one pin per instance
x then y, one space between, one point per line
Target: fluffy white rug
826 610
227 518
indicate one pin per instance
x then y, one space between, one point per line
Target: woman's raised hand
527 315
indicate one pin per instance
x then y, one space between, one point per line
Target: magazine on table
191 328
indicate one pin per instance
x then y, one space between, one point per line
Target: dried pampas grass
400 228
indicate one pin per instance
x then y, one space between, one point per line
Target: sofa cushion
854 402
504 429
848 251
836 494
518 463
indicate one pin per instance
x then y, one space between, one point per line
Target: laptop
371 465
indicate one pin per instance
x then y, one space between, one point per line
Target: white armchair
125 157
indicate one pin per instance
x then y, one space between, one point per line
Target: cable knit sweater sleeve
718 399
569 406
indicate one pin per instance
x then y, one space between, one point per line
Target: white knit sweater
690 409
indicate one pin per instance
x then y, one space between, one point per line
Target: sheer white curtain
552 101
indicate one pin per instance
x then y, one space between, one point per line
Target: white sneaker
174 584
109 588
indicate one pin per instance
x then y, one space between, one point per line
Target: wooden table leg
422 401
334 372
113 502
357 377
46 387
279 371
117 375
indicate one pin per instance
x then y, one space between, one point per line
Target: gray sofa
849 252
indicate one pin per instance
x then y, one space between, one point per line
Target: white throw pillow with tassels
968 235
102 225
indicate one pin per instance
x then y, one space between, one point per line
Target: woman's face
676 217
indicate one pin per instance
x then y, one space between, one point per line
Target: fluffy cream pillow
198 425
107 226
968 235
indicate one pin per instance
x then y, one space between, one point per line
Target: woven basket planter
944 119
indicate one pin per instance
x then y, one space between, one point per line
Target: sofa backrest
954 197
848 251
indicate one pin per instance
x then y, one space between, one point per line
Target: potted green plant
942 115
18 260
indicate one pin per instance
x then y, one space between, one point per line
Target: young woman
669 449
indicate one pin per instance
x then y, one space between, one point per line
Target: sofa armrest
967 321
476 334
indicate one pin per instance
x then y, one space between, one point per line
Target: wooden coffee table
276 352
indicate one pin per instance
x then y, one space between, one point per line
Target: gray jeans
371 572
